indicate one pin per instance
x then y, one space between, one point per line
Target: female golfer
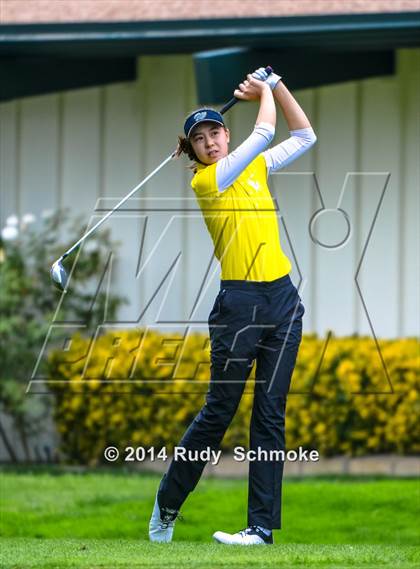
257 314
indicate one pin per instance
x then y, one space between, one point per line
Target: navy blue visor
202 115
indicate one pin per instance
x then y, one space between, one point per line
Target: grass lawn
100 519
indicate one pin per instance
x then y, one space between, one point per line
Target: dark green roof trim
332 32
28 76
217 70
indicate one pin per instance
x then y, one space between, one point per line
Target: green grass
52 519
63 553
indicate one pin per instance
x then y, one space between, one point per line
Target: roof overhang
306 36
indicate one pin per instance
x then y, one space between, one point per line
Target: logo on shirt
254 184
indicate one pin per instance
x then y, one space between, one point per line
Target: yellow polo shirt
242 222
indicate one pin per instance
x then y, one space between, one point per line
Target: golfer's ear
227 134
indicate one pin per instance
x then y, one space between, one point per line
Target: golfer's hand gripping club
270 78
267 71
58 272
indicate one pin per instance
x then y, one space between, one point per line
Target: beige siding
89 148
408 221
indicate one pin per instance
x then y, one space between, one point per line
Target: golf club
58 272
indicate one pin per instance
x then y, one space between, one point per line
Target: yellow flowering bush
143 388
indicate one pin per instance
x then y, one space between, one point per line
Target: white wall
88 148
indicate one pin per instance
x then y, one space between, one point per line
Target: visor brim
200 122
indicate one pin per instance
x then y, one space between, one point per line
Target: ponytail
185 147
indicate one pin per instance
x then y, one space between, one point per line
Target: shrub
29 303
348 407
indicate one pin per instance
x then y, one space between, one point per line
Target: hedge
133 388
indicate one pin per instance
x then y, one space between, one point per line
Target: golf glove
271 79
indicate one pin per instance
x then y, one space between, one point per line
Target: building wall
86 149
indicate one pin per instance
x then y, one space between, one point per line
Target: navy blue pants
249 321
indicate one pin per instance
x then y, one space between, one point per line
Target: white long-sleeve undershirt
281 155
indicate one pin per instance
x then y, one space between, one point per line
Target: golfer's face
210 142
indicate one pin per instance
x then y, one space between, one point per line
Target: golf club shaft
224 109
119 204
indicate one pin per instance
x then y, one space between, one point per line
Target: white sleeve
229 168
287 151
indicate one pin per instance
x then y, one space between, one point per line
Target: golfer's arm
292 111
289 150
267 111
230 167
302 135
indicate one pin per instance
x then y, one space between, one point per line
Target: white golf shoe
162 522
252 535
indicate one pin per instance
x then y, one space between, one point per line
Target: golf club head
59 275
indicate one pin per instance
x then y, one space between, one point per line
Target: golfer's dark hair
185 147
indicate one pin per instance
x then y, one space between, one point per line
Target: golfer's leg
206 430
231 363
275 365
